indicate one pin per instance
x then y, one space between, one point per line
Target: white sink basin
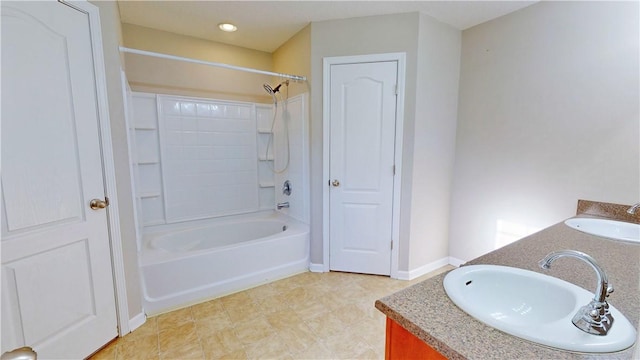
612 229
532 306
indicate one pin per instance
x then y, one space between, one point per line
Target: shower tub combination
185 263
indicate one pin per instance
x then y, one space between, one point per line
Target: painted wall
294 57
358 36
148 74
434 141
433 55
548 115
111 39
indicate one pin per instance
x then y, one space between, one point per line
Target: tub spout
283 205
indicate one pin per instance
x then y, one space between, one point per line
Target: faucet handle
609 290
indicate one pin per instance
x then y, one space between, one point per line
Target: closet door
362 141
57 284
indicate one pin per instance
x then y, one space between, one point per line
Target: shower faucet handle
286 188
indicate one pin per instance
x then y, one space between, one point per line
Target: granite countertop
426 311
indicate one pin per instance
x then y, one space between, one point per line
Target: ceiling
265 25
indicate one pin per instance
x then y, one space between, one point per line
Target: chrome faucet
282 205
632 210
593 318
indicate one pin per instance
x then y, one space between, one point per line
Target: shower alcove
205 195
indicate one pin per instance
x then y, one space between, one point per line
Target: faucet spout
603 281
282 205
593 318
632 210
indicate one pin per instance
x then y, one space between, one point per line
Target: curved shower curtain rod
202 62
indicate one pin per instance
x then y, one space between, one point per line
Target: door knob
335 183
97 204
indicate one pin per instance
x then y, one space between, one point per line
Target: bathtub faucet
283 205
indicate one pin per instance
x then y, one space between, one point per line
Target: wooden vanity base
402 345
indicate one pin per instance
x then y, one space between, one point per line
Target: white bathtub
185 263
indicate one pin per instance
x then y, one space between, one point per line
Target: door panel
362 140
362 116
57 281
66 283
356 238
46 142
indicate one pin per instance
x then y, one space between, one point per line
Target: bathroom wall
548 114
209 165
291 156
432 51
434 140
111 39
201 158
147 74
294 57
359 36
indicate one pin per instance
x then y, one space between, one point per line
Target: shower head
268 89
273 91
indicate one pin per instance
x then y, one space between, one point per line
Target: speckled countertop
426 311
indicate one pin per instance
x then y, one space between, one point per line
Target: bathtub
185 263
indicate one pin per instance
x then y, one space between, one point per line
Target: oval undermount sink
532 306
617 230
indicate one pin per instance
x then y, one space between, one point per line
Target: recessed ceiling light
228 27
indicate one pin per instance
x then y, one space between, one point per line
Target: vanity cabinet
401 345
457 336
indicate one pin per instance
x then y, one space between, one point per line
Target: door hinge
391 244
394 170
396 89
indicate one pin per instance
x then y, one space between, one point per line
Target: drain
284 228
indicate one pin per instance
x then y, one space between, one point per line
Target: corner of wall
437 83
111 39
294 57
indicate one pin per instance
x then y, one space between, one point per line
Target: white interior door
57 283
361 166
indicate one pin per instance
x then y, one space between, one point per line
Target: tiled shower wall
208 158
293 113
199 158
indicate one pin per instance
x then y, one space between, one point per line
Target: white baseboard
317 268
137 321
424 269
455 261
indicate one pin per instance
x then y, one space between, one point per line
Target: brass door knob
97 204
335 183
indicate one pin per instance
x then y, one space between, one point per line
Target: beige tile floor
306 316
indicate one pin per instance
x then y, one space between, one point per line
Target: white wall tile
297 129
217 110
203 110
209 159
212 156
187 109
170 107
189 124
